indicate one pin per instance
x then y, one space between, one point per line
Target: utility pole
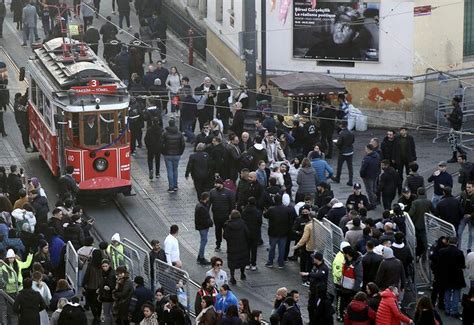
263 37
250 50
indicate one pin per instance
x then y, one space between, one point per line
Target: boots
454 158
151 174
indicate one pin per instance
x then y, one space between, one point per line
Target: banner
336 30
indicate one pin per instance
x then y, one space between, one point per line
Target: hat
357 186
406 189
218 181
286 199
442 163
317 256
343 245
35 181
10 253
116 237
387 252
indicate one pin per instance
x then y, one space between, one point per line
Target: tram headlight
101 164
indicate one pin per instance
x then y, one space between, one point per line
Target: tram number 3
93 83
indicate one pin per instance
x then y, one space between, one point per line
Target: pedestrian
455 119
188 114
73 313
149 315
217 272
466 171
29 19
413 180
253 219
28 304
202 221
441 178
87 8
386 148
171 246
173 148
388 312
369 172
107 285
173 314
3 13
323 170
225 299
345 144
198 166
468 308
238 121
451 276
407 198
388 184
16 7
223 101
237 236
358 311
108 31
417 214
291 315
437 294
153 145
280 220
403 253
205 94
450 209
370 264
467 205
352 276
123 7
391 271
327 125
122 295
373 295
92 283
425 313
222 202
306 180
20 109
304 239
404 152
208 289
141 296
207 315
43 289
156 253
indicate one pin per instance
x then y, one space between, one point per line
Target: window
40 104
231 14
47 113
468 28
33 92
219 10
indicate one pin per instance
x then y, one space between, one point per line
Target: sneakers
29 149
253 268
305 284
170 190
335 180
269 265
157 175
151 174
247 267
281 266
203 261
175 189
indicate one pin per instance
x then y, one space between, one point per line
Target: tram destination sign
94 87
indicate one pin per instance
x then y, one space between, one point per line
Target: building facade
381 50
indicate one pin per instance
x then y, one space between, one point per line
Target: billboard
336 30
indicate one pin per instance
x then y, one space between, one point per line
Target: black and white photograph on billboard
336 30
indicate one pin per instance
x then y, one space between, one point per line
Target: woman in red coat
388 312
358 312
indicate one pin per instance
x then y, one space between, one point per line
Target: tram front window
90 130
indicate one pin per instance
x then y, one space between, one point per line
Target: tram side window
47 111
107 128
33 92
40 104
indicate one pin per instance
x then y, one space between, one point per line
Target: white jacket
171 249
23 218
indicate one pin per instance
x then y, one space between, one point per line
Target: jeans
154 155
340 162
219 228
202 245
274 241
387 199
465 222
370 188
451 301
188 130
172 170
435 199
127 18
107 313
28 31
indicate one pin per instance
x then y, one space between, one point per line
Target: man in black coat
327 124
402 251
280 220
202 222
386 148
345 144
236 234
92 38
40 204
233 157
221 202
369 172
28 304
205 94
67 186
199 166
253 219
173 148
157 252
14 184
73 232
449 208
404 153
451 276
370 264
153 146
390 272
108 32
388 184
217 152
291 316
123 7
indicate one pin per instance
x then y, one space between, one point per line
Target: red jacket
388 312
359 313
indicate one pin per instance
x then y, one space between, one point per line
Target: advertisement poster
336 30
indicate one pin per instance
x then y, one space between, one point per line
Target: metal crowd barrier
141 255
72 267
436 227
337 236
323 242
132 253
121 259
410 236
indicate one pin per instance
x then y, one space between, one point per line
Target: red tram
77 113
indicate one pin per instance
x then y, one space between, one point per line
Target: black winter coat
198 165
238 122
75 234
173 142
28 305
14 185
108 284
404 255
280 220
202 218
218 159
153 138
236 234
142 295
451 266
386 149
253 219
40 203
410 150
449 209
72 314
189 109
388 181
122 62
370 167
123 6
370 264
345 142
390 273
327 120
122 295
222 202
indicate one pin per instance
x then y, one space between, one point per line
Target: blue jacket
262 177
222 303
370 167
321 167
443 178
14 243
55 247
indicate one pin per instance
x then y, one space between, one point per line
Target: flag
284 7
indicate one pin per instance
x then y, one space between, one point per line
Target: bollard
190 46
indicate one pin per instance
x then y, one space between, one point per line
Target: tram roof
76 69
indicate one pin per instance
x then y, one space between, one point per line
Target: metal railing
337 236
436 227
121 259
323 242
141 260
72 267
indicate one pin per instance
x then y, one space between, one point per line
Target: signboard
422 11
94 87
336 30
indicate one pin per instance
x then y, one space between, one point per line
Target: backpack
230 185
